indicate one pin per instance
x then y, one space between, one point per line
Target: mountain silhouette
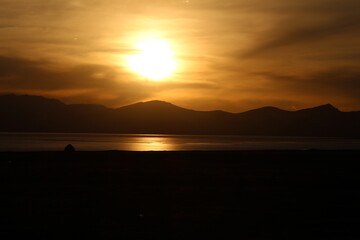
327 108
24 113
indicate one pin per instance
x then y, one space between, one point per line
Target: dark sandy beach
180 195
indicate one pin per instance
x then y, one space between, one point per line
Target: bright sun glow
154 61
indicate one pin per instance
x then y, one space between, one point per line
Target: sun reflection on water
147 143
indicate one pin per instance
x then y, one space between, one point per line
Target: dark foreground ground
180 195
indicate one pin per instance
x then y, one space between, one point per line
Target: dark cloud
343 81
291 31
99 80
334 83
348 57
305 34
21 73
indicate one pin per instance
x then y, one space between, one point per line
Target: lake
162 142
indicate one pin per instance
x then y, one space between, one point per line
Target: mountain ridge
164 103
323 108
36 113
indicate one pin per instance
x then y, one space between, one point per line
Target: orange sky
232 55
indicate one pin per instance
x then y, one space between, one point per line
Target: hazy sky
232 54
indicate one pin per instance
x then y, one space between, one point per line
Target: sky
232 55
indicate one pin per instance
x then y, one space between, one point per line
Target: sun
154 59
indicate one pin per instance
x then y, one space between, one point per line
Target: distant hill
23 113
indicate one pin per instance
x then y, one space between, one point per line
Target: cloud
341 84
108 85
293 34
91 82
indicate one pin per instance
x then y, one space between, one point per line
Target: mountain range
24 113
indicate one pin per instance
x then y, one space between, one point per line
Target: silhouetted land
180 195
38 114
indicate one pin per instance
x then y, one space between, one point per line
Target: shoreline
189 151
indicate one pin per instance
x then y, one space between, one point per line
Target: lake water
161 142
